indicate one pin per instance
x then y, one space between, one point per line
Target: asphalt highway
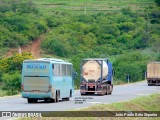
120 93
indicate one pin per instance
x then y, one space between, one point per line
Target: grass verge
2 92
145 103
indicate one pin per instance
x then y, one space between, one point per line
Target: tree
11 83
10 69
158 2
133 64
13 63
5 7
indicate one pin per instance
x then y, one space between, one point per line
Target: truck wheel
83 94
107 90
91 93
107 93
111 90
101 94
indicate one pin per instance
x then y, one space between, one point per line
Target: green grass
92 6
2 92
119 82
146 103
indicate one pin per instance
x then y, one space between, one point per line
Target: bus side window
64 70
60 70
69 70
53 69
52 66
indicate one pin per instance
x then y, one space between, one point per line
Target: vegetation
10 72
126 32
132 64
122 36
146 103
17 29
158 2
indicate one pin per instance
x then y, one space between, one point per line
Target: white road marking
123 100
155 90
95 102
143 94
13 118
81 108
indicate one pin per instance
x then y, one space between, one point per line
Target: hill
126 32
34 48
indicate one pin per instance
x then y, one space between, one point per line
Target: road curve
120 93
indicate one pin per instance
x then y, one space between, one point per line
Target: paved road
120 93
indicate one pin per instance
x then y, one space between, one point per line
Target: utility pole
128 77
19 50
145 75
85 11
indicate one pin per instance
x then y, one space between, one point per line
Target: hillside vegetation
20 23
126 32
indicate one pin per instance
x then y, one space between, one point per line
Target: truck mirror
113 73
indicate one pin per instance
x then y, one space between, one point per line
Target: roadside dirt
34 48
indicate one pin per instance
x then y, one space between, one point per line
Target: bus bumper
40 95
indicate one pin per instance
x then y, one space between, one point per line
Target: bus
47 79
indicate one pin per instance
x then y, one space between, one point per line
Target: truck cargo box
153 70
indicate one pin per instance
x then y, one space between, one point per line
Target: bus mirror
75 75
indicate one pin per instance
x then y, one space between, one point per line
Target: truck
47 79
96 76
153 73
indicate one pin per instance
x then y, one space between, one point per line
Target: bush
11 83
158 2
16 28
13 63
4 7
133 64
